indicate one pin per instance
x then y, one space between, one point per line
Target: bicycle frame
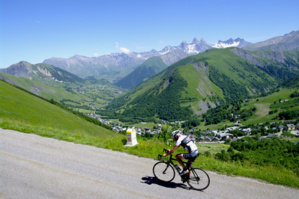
170 161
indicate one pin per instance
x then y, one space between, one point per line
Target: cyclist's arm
171 151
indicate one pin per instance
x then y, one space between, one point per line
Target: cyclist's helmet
175 133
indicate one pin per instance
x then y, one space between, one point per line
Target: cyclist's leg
191 158
179 159
188 156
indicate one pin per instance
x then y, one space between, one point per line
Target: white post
131 137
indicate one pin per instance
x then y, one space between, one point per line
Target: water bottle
177 167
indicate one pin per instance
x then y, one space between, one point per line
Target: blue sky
34 30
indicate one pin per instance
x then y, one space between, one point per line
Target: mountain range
199 82
206 77
115 66
288 41
205 80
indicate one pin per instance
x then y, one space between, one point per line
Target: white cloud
122 49
96 53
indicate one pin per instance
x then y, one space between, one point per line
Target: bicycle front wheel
199 179
163 171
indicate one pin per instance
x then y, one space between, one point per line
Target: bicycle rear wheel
163 171
199 179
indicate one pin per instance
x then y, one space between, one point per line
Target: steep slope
193 85
18 105
33 86
280 64
148 69
292 82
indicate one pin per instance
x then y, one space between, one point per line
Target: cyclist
189 145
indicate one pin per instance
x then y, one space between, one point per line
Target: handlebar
165 150
161 156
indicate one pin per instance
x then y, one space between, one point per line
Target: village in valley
271 130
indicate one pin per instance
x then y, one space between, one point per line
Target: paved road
36 167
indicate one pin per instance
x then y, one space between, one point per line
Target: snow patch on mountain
226 45
192 49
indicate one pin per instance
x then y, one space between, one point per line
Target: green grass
266 173
21 106
212 148
199 85
235 68
263 105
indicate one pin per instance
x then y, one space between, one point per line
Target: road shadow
153 180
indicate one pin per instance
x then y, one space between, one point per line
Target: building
291 127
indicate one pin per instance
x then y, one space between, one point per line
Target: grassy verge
151 149
211 148
268 173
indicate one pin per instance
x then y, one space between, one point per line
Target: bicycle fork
166 168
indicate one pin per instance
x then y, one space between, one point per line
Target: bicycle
197 178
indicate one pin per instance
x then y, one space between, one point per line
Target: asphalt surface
37 167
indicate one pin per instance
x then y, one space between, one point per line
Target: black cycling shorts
190 156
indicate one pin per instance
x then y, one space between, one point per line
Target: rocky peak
195 41
203 40
21 69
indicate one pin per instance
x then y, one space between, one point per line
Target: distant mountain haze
116 66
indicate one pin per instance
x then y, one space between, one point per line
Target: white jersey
190 146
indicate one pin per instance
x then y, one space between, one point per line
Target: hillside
82 95
148 69
199 82
292 82
20 106
283 104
